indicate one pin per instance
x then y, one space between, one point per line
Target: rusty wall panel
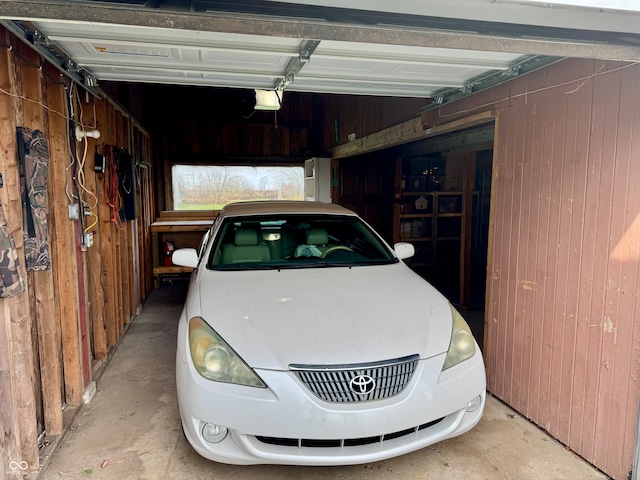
562 340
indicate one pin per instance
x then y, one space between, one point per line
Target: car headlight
215 360
462 345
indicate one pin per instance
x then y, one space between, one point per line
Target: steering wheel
333 249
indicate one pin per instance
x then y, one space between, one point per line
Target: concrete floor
131 429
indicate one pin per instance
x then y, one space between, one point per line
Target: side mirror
404 250
185 257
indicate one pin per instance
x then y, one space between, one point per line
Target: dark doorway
444 212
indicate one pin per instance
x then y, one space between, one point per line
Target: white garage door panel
183 77
127 34
158 55
443 76
357 87
102 53
411 54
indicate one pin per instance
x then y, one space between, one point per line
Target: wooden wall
55 335
364 187
215 126
562 338
195 125
363 115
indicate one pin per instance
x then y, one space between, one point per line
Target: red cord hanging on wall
112 192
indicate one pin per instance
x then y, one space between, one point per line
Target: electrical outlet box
74 211
99 163
87 239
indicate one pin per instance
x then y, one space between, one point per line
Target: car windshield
280 241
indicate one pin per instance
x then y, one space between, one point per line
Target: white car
305 340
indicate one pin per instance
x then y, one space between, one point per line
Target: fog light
474 404
213 433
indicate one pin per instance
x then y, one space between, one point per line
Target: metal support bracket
41 44
492 79
307 47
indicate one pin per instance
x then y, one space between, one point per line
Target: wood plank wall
562 338
363 115
225 130
16 351
56 335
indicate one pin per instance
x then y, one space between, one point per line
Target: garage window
197 187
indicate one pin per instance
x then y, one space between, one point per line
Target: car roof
283 206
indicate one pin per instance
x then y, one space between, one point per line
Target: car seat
317 240
245 248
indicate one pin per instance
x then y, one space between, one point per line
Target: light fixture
82 133
268 99
213 433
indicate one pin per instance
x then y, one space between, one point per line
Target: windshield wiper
324 264
246 266
296 266
348 264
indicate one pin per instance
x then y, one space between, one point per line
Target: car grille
344 442
357 383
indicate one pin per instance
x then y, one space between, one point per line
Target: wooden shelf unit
428 227
184 229
449 187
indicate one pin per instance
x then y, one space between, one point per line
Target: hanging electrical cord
112 187
275 112
81 136
76 165
70 169
81 176
80 166
95 222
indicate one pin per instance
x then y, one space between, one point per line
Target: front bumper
299 426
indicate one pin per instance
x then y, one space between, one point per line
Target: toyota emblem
362 384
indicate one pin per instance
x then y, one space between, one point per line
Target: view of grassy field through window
198 187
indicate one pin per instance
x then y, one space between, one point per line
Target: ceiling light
268 100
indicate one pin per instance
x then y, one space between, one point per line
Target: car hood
324 316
